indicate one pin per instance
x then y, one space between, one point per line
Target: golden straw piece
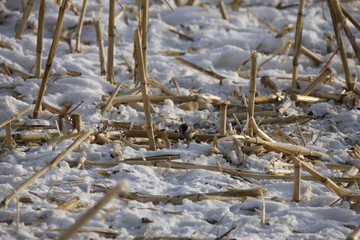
316 82
91 212
349 81
15 116
231 171
297 44
40 38
110 100
48 167
80 27
350 17
355 235
304 98
297 182
144 32
99 37
201 69
24 18
142 78
52 53
342 21
111 42
277 147
252 125
223 117
223 11
161 98
252 89
9 142
323 179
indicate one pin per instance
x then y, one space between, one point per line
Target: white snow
218 45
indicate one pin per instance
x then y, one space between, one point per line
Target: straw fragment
200 69
4 203
111 42
297 44
110 100
223 11
50 60
100 42
80 26
323 179
349 81
24 18
40 38
297 182
91 212
9 120
142 74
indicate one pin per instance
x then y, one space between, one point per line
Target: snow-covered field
216 44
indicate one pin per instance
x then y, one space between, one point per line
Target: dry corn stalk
223 117
243 116
40 38
9 142
297 182
304 98
316 82
252 91
161 98
350 17
297 44
181 35
24 18
178 199
355 234
323 179
119 188
110 100
201 69
106 233
340 43
252 125
69 205
143 80
223 11
111 42
342 21
52 53
80 26
230 171
10 69
99 37
144 32
48 167
278 147
9 120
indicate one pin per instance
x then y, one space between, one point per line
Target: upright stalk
144 31
80 26
349 82
99 37
252 90
50 59
40 38
24 18
111 42
342 22
297 45
142 78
